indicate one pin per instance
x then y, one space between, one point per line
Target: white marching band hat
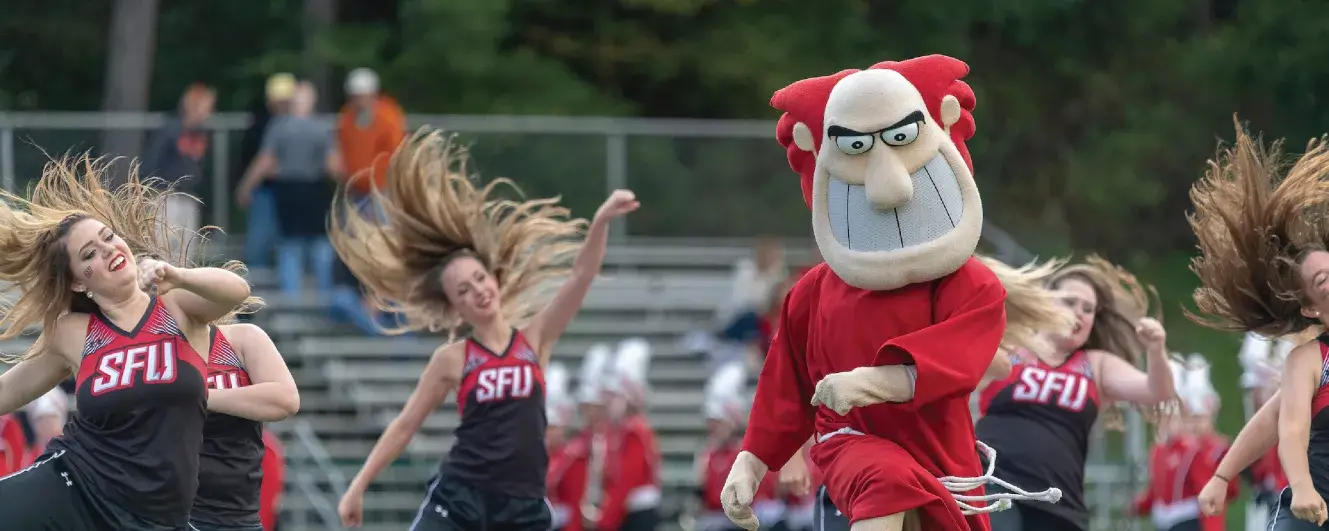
590 382
726 394
628 370
558 399
1262 359
1195 390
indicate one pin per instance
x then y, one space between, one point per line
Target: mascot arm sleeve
782 412
951 356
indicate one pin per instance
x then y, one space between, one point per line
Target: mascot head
884 167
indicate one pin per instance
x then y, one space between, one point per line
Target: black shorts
825 517
452 505
1283 520
44 497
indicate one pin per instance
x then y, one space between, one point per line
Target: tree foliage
1101 111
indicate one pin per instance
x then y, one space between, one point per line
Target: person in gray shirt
296 159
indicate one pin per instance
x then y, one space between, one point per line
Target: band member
559 408
1187 455
630 473
726 409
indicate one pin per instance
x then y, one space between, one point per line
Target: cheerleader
1187 456
1263 268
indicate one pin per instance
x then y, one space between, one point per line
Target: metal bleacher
352 385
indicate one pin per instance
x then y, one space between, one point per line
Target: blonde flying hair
1256 219
1031 309
433 213
33 255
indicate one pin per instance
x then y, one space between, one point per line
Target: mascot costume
880 346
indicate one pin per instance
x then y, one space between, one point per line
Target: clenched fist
739 489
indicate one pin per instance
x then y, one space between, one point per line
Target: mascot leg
906 521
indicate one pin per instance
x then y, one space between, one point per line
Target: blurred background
1094 118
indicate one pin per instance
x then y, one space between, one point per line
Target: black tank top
1317 453
1038 420
230 464
133 443
501 441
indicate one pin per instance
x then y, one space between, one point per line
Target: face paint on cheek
87 273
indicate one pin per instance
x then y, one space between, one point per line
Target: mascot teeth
932 213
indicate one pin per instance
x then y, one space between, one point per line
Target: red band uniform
1183 462
629 476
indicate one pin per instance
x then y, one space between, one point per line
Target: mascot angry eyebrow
880 346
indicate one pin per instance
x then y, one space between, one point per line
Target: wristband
1222 477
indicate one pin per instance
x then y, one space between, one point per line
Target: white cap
558 402
726 394
1195 391
54 402
630 366
591 378
1262 359
361 82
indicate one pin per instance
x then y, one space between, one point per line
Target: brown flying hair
1256 219
33 256
1122 302
433 213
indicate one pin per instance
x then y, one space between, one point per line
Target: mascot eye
854 145
900 136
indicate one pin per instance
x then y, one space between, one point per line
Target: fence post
616 177
221 179
7 177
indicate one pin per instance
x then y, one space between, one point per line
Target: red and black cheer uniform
129 458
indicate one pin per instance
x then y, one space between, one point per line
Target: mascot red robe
880 346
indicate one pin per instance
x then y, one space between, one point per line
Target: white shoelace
959 485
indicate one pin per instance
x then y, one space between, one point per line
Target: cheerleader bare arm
441 376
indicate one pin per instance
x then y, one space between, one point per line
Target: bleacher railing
323 503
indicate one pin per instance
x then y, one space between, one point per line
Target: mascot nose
887 183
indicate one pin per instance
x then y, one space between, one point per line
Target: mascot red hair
880 346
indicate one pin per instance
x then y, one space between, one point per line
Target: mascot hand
739 489
864 386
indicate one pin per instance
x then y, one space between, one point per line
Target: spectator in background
175 155
370 127
298 151
756 283
261 228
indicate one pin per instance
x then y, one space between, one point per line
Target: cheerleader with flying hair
449 253
1040 417
1263 231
